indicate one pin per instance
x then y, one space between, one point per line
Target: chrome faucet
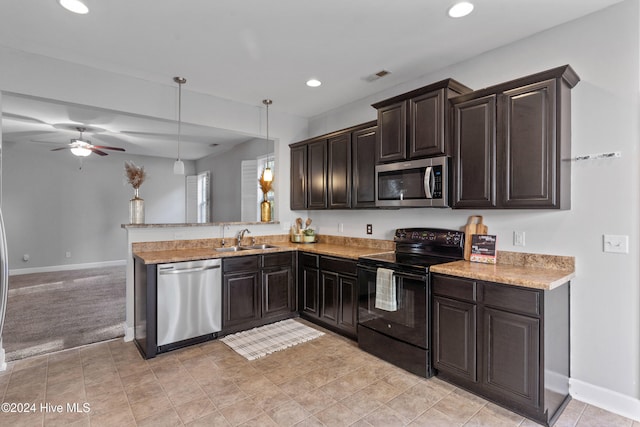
240 236
223 227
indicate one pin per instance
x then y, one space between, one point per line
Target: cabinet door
426 124
310 286
348 304
277 291
392 133
454 337
329 290
339 175
474 152
511 365
528 165
241 298
317 175
363 143
298 185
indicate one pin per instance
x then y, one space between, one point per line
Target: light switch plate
518 238
615 244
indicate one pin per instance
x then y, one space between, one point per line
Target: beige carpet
49 312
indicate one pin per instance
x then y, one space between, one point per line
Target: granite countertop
191 250
513 268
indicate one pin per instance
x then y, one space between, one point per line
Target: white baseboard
609 400
3 360
64 267
128 333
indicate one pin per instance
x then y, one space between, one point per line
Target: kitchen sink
231 249
245 248
259 246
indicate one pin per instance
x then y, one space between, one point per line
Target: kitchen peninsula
501 331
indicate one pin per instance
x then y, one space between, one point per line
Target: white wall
605 301
36 75
51 206
226 174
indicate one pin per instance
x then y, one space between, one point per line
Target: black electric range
402 335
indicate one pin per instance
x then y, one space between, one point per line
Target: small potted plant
309 235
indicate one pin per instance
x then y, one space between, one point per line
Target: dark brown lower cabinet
454 325
506 343
257 289
328 292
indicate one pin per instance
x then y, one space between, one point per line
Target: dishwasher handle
172 270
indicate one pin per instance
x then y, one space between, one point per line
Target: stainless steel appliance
402 336
189 302
415 183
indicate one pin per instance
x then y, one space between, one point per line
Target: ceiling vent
380 74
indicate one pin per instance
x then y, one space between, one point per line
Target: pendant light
178 166
267 174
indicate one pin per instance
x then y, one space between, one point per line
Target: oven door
409 322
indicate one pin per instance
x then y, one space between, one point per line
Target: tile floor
327 381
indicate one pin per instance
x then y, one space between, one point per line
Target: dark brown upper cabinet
363 144
339 173
512 143
334 171
298 179
415 124
317 175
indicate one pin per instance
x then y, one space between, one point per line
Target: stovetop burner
419 248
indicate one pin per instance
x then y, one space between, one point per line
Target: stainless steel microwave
414 183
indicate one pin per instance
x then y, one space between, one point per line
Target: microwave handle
428 182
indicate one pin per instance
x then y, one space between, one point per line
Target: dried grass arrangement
135 174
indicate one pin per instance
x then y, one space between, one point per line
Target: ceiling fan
82 147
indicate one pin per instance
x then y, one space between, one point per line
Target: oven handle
397 273
411 276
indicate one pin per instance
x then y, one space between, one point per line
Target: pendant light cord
267 102
179 116
180 81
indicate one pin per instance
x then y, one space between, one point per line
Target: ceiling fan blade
61 148
98 152
104 147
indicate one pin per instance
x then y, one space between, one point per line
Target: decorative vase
265 210
136 209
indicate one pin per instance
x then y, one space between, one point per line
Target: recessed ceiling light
313 83
461 9
75 6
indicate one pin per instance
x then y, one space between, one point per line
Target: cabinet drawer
339 265
454 287
512 298
280 258
309 260
241 263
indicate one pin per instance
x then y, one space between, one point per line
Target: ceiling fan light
80 151
75 6
178 167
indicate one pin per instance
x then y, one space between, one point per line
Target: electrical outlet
369 229
340 228
518 238
615 244
25 257
67 254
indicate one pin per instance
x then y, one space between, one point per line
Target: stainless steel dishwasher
189 301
